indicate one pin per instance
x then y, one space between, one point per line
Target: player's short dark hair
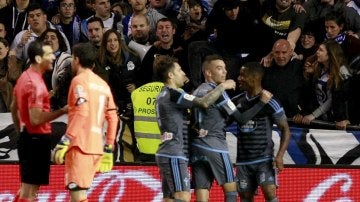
35 49
87 54
162 65
254 68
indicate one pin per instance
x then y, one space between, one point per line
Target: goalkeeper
82 148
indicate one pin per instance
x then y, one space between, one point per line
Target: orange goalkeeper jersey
90 103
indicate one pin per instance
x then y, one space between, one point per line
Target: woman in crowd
118 66
330 77
58 80
307 45
335 26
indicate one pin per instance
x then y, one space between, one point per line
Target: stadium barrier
322 165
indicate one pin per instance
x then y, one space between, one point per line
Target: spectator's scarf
340 38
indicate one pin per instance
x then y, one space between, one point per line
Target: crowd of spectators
309 48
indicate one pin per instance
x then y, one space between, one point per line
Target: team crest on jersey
130 65
80 95
248 127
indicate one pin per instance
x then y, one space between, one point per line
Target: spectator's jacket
61 77
119 75
17 23
21 50
76 30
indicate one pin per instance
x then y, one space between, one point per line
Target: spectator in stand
334 26
191 25
2 30
95 29
9 73
308 95
119 67
318 9
16 13
165 31
330 77
141 39
103 11
232 41
279 20
68 22
38 23
139 7
140 30
307 46
284 78
30 110
57 79
49 6
84 9
166 7
121 8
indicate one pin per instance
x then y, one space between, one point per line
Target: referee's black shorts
34 151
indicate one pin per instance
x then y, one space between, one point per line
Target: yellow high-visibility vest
146 127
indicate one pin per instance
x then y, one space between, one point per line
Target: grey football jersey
171 105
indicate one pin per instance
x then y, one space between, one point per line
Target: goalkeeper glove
61 149
107 161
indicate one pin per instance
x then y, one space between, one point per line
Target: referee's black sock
231 196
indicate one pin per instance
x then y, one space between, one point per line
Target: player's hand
265 96
279 163
61 149
228 84
107 159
